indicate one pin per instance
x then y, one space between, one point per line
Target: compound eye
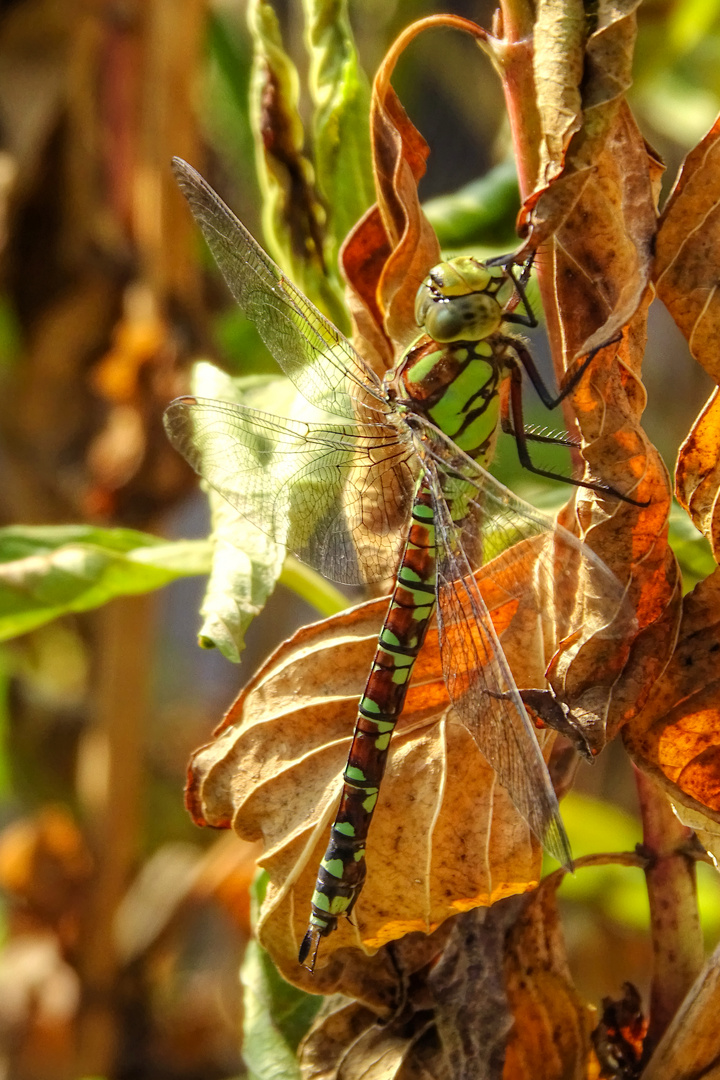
460 318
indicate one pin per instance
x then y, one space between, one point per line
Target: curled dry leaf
631 540
697 475
599 254
676 736
586 174
688 240
594 215
691 1045
550 1036
392 248
350 1041
686 276
498 1002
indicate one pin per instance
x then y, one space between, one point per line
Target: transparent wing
339 496
483 691
548 587
318 359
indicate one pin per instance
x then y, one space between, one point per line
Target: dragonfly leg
547 710
569 382
508 264
558 439
521 439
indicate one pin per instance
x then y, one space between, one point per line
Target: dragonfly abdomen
342 871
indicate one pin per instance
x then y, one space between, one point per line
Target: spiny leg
516 412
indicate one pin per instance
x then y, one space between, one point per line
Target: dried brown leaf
597 246
550 1037
688 241
676 736
594 214
445 838
593 202
469 994
631 540
691 1045
582 66
352 1045
393 246
697 475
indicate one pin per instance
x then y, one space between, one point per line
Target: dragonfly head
462 300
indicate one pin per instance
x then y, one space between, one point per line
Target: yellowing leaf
697 476
688 241
550 1036
676 736
277 776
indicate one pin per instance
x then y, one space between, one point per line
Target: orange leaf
550 1037
676 737
392 248
697 476
688 241
275 772
631 540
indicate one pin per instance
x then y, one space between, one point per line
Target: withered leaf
445 838
691 1045
631 540
593 203
550 1037
697 475
469 995
598 247
393 246
497 1002
688 241
686 276
676 736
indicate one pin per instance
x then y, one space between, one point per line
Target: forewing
482 688
318 359
575 604
337 495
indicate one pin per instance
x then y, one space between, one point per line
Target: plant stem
674 917
109 788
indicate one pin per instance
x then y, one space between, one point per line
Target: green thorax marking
456 387
453 373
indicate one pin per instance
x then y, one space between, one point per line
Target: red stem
674 917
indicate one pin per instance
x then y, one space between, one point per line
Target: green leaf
246 563
481 214
293 216
691 548
276 1015
47 571
341 123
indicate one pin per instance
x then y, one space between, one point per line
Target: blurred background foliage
123 927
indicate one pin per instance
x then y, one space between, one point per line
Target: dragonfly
389 483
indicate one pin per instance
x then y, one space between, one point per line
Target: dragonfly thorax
453 386
462 300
